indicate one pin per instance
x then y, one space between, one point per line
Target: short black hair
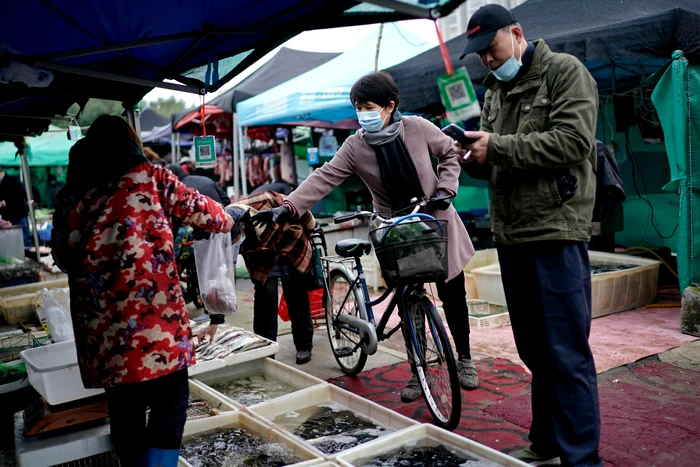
378 87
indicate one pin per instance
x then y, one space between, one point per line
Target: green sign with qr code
205 151
458 96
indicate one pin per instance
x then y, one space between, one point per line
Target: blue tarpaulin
322 94
120 50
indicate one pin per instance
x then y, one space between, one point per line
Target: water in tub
253 388
236 448
424 453
331 428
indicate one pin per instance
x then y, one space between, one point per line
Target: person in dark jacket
13 204
295 293
204 185
537 147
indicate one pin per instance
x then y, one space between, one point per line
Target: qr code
205 152
458 93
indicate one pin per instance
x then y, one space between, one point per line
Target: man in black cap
537 147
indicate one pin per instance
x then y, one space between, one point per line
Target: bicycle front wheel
430 354
342 297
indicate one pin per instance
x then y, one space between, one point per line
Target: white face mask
371 121
510 67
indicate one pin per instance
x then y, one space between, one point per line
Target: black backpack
610 190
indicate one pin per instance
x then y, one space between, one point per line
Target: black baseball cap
483 26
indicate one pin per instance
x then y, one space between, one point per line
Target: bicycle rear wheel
341 338
430 353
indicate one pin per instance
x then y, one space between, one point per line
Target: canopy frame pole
236 158
118 78
244 175
30 199
290 142
172 147
132 116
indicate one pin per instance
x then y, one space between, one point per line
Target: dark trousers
453 296
132 432
297 298
26 234
548 290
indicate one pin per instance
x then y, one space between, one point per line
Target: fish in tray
231 341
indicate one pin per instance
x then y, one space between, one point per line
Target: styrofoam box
280 371
53 371
215 400
234 359
611 291
234 420
425 432
330 394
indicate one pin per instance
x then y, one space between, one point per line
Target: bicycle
352 329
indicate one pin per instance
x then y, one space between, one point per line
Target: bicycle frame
398 298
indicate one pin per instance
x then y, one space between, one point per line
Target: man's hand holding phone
472 144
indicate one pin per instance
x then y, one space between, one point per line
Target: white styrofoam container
267 411
205 393
234 359
53 371
611 291
425 432
284 373
233 420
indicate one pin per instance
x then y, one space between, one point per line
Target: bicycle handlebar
375 215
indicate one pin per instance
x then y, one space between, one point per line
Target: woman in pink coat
392 155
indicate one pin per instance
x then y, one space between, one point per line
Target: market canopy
48 150
322 94
151 119
83 49
283 66
624 40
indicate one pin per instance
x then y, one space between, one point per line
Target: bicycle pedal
344 352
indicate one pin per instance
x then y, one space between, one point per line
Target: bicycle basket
412 252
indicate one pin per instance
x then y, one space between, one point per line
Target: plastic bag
53 309
215 260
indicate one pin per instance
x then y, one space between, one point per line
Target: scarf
396 166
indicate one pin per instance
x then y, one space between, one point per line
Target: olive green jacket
543 129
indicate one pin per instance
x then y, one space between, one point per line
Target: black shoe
303 356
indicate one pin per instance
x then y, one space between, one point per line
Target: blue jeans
548 291
24 223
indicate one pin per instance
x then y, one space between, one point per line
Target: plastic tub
330 394
16 309
280 371
34 287
199 391
240 420
611 291
234 359
53 372
429 433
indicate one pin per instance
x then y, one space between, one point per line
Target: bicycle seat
353 247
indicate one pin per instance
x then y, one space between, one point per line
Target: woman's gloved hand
440 201
240 217
271 216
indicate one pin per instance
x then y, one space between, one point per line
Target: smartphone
457 134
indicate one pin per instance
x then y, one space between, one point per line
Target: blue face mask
511 67
371 121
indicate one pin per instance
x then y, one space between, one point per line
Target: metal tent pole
132 116
244 176
30 201
172 147
235 158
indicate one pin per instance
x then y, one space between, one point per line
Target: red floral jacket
116 244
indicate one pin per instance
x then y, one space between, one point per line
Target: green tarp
677 102
47 150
